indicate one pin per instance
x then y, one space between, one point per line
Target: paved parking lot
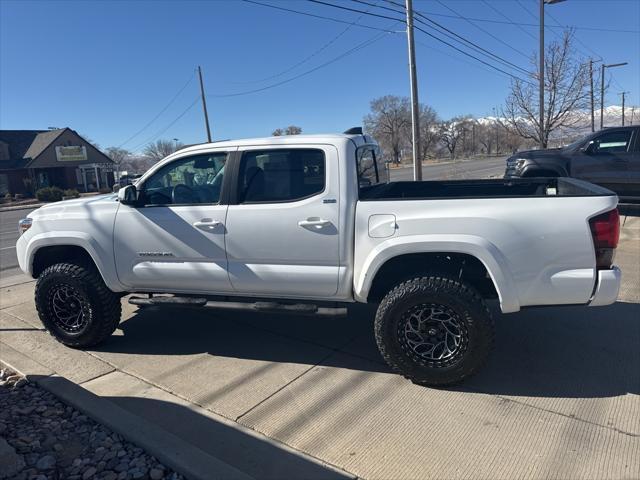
284 396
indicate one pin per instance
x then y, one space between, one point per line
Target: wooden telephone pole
204 105
415 105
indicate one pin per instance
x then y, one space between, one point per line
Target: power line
509 19
157 134
490 20
475 65
322 17
355 10
550 15
473 45
360 46
483 30
472 56
160 113
306 59
450 34
377 15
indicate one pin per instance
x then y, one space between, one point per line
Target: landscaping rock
46 439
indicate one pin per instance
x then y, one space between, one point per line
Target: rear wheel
75 305
434 330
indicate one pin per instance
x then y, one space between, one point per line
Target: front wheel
434 330
75 305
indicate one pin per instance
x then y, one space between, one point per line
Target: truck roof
358 139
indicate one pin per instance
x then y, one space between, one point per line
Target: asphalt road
8 237
460 169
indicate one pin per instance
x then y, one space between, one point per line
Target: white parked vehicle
303 220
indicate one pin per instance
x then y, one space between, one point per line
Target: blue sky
107 68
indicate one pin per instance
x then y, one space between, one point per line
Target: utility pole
593 121
415 105
602 68
541 75
623 94
204 105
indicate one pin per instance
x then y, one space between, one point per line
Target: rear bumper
607 287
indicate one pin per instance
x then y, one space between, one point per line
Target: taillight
605 230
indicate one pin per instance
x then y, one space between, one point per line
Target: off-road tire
455 297
100 308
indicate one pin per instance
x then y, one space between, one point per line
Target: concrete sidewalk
284 396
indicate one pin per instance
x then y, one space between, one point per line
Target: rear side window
282 175
611 142
367 162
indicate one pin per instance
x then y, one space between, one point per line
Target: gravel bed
55 441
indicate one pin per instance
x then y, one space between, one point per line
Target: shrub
105 190
71 193
49 194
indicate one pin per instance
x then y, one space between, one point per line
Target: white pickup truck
298 221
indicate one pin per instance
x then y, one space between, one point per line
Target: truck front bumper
607 287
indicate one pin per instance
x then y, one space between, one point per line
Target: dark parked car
610 157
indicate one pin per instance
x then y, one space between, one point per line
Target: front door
283 238
605 161
174 240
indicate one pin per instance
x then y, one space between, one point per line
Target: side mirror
128 195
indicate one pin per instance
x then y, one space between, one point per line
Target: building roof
18 142
25 146
42 141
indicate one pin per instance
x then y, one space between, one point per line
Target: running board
261 306
190 301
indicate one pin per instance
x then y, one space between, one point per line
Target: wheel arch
478 261
48 249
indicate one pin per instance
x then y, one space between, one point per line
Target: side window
366 158
611 142
190 180
282 175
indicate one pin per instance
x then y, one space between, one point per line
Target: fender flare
478 247
75 239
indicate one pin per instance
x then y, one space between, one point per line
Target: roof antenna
354 131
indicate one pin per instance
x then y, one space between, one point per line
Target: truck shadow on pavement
573 352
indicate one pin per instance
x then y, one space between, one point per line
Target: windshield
577 143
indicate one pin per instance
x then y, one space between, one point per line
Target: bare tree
566 93
120 157
159 149
451 133
290 130
388 121
428 131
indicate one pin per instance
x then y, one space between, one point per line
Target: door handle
313 222
207 225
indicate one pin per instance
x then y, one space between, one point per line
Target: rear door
606 160
282 222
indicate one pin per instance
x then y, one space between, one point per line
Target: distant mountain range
612 118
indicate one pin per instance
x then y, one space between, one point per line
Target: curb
22 207
170 450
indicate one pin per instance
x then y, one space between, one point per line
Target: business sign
71 154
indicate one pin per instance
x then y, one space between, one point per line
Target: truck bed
489 188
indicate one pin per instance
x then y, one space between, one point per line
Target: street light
602 67
176 142
541 73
